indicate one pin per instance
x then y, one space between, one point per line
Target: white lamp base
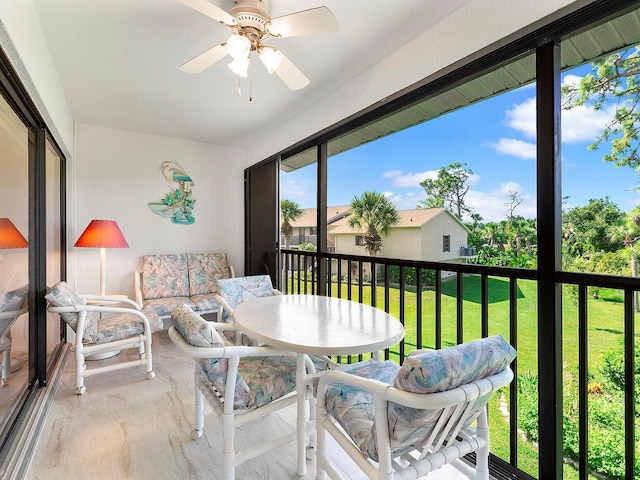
102 356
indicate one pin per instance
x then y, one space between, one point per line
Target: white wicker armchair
113 328
241 383
404 422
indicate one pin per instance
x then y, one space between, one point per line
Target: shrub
410 275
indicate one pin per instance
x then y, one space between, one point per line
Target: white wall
453 39
117 172
23 40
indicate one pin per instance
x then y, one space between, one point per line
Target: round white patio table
316 325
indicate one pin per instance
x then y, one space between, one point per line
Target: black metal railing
435 302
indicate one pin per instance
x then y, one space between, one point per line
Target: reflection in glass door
54 169
14 260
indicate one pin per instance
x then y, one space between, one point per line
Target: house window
359 241
313 231
446 243
301 236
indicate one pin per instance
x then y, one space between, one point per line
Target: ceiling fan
251 26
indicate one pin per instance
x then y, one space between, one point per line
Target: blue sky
496 139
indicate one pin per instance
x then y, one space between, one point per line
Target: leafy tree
448 189
375 214
629 233
613 80
590 229
289 211
474 239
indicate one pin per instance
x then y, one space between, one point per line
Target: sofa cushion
195 330
60 295
205 302
164 306
440 370
204 269
165 276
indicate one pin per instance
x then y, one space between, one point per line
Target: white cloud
492 206
302 192
517 148
571 79
409 180
584 124
407 201
580 124
522 117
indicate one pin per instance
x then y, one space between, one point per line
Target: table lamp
102 234
10 236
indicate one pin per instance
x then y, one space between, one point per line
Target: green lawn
605 329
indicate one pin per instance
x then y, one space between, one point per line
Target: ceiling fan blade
306 22
210 10
290 75
203 61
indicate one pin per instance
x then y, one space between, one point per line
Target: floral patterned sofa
167 281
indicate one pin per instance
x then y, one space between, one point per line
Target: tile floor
125 427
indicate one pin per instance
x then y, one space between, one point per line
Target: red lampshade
10 237
102 234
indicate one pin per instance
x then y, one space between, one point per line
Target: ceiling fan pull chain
239 91
250 82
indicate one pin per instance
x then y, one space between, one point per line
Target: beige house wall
432 240
402 243
423 243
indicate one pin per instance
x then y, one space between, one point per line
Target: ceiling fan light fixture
271 57
240 66
239 47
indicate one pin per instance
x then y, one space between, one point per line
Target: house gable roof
309 217
408 219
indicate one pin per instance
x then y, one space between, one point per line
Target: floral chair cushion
195 330
14 300
165 276
260 380
353 408
421 372
240 289
440 370
204 270
60 295
126 325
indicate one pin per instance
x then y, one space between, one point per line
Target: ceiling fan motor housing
252 18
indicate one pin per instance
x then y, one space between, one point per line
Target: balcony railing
443 304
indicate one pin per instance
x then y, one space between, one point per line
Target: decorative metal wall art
178 203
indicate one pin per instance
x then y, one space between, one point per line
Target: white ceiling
118 62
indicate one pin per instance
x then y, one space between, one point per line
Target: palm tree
375 214
289 211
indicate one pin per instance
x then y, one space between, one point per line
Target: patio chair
232 292
12 305
241 383
112 329
405 422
